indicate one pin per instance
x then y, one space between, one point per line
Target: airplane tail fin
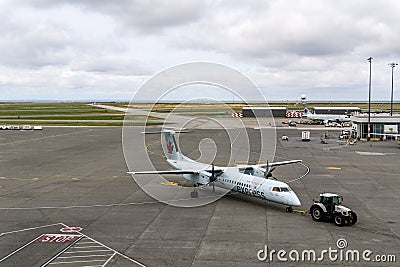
306 110
171 145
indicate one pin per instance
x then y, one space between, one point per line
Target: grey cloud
143 16
294 45
111 64
303 28
28 45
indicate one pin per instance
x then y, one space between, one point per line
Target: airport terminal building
380 124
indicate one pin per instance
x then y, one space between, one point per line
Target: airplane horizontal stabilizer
207 171
166 130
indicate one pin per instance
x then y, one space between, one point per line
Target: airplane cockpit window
284 189
276 189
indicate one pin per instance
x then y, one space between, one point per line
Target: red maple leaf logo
170 147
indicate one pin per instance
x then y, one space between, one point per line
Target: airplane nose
295 200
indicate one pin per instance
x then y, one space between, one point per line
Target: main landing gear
194 193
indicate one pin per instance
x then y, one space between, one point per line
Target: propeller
213 178
268 172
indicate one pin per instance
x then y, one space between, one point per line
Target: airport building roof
376 118
337 108
254 108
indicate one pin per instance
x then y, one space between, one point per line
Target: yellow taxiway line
170 183
333 168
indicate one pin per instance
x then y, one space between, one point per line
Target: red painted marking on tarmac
71 229
57 238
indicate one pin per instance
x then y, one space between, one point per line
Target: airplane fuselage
252 185
328 117
250 180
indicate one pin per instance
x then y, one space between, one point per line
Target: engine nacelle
260 172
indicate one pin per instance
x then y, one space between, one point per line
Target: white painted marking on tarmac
86 256
90 242
86 251
100 205
27 229
19 249
366 153
67 262
115 253
88 247
61 252
119 253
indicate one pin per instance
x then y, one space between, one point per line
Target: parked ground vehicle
328 208
305 136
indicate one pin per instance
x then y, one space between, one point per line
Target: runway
76 177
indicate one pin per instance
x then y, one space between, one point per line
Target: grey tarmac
66 176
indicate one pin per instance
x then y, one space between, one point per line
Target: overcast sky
69 50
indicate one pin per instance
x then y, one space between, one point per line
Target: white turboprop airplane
325 118
250 179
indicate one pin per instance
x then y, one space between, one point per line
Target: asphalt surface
76 177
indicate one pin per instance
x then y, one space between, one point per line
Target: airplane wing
280 163
167 172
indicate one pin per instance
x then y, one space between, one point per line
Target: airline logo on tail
170 147
306 111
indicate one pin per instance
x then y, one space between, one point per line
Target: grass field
237 107
82 114
77 117
80 123
47 106
68 114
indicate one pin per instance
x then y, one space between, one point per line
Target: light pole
392 65
369 99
